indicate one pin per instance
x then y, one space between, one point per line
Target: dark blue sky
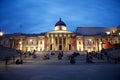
41 15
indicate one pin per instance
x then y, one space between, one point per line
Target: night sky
36 16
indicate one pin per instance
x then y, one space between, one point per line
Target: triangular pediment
60 31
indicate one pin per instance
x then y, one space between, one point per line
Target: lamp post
1 34
108 33
108 36
119 37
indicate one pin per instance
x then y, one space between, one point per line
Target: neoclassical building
84 38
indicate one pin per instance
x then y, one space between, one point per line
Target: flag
20 28
47 43
73 41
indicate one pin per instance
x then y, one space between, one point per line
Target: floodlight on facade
30 40
119 33
90 40
20 42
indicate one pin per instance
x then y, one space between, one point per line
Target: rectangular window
56 40
64 40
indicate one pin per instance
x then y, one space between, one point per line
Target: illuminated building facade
84 38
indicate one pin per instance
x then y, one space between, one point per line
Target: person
17 61
34 56
101 55
33 52
72 60
25 54
46 56
21 61
105 53
13 59
89 59
116 60
60 55
6 61
52 53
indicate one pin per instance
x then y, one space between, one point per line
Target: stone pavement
61 72
54 69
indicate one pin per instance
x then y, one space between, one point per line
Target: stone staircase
53 58
29 60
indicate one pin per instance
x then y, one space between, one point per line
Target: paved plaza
61 72
54 69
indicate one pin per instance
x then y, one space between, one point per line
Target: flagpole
20 28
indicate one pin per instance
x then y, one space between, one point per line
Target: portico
60 41
60 38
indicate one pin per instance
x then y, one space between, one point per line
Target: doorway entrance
60 47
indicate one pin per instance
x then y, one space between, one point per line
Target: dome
60 23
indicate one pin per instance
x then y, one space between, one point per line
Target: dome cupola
60 25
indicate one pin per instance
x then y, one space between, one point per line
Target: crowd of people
103 55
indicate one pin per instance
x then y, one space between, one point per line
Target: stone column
21 44
70 43
82 45
75 40
45 44
58 43
38 48
48 43
52 43
97 44
66 43
62 44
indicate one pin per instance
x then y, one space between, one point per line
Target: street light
109 36
1 34
108 33
119 37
